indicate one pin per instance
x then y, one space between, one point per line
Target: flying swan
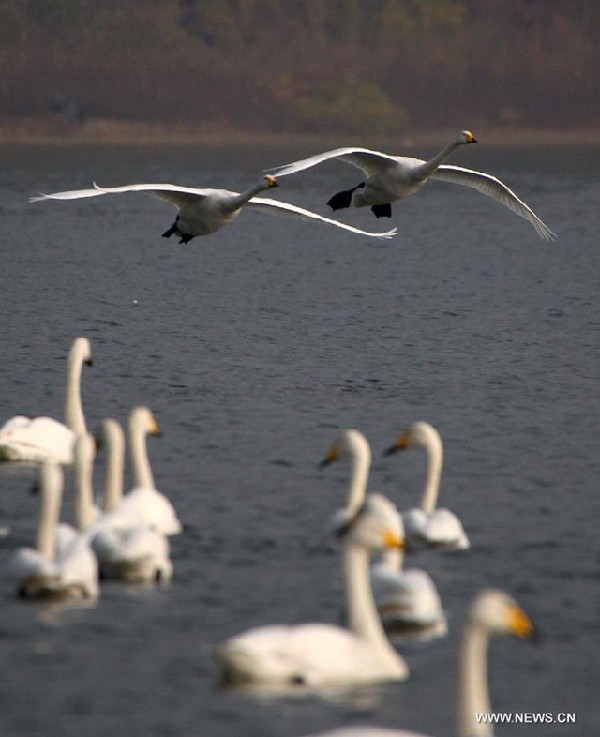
390 178
492 613
34 440
429 525
47 572
406 599
204 211
322 655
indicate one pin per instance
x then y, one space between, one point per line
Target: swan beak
401 443
520 625
271 181
392 541
332 455
470 138
154 428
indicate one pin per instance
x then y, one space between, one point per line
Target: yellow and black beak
520 625
332 456
401 443
271 181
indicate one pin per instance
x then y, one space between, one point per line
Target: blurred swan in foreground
47 571
142 504
390 178
406 599
492 613
321 655
204 211
428 525
41 438
127 548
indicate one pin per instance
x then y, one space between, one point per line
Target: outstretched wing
276 207
371 162
172 193
497 190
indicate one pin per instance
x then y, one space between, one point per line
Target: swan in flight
142 504
47 571
36 439
128 549
204 211
429 525
406 599
390 178
492 613
322 655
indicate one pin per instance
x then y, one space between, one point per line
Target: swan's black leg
172 231
344 198
382 211
185 237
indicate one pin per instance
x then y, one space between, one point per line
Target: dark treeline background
304 65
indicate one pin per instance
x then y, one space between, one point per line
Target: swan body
318 655
390 178
492 613
204 211
132 551
48 573
429 525
36 439
406 599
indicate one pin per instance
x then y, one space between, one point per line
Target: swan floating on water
46 572
406 599
204 211
428 525
36 439
390 178
135 552
322 655
492 613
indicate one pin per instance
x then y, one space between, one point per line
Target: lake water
253 347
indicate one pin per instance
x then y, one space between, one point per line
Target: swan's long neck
435 457
113 489
243 197
359 475
363 619
430 166
392 560
473 695
84 490
49 511
142 473
74 416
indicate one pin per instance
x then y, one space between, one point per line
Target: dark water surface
253 347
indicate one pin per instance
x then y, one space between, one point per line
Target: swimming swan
406 599
390 178
130 549
204 211
41 438
143 503
321 655
492 613
48 572
428 525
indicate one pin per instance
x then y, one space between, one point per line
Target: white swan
321 655
492 613
407 599
390 178
143 503
204 211
41 438
46 572
135 552
428 525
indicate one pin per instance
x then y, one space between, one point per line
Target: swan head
271 181
375 526
351 444
81 351
142 418
466 137
498 613
420 434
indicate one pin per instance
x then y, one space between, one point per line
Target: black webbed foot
172 231
185 237
382 211
344 198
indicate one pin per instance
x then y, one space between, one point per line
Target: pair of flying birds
388 178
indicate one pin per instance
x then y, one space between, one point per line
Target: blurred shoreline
52 131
